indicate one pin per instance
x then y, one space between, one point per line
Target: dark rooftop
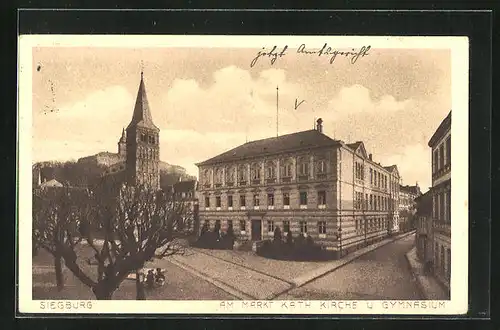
284 143
443 127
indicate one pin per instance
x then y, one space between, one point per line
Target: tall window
217 201
303 168
270 171
441 207
448 150
230 200
441 156
243 200
371 202
321 167
322 227
434 206
303 198
303 227
230 174
448 205
270 199
435 160
448 258
242 174
442 263
286 169
242 225
436 255
366 201
286 226
255 172
256 200
270 226
207 201
321 197
286 199
218 176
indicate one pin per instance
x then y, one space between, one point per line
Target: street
382 274
379 274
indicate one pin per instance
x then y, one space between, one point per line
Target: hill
87 170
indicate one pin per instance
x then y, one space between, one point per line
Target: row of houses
433 232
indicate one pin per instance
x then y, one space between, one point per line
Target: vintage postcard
242 174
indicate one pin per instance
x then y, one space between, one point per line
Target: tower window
143 137
151 139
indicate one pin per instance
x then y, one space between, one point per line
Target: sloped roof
142 114
440 131
415 190
51 183
392 169
284 143
354 145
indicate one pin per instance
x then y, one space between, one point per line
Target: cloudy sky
208 100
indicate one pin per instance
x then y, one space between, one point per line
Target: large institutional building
304 182
440 143
138 147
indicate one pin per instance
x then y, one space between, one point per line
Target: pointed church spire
123 138
142 114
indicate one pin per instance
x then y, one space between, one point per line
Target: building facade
305 183
440 143
423 233
185 192
408 206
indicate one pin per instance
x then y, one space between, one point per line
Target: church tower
142 144
122 145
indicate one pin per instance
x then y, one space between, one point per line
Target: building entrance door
256 230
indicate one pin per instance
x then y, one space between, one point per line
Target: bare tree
138 225
53 224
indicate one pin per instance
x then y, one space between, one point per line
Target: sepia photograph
243 174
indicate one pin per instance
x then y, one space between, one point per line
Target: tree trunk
102 292
139 286
59 273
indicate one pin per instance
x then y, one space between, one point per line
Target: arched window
286 168
206 177
218 176
255 171
230 173
242 174
270 170
303 167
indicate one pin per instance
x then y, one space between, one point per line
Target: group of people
155 278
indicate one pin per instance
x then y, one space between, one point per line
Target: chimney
370 156
319 125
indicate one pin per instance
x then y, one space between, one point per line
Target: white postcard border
459 274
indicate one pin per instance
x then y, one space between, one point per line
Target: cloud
90 125
358 99
235 101
413 164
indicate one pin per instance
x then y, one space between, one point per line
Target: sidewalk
428 285
333 265
336 264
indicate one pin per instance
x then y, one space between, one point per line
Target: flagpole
277 100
